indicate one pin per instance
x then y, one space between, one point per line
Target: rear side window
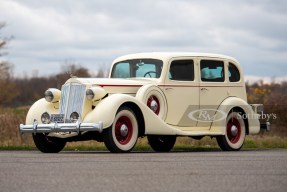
182 70
212 71
233 73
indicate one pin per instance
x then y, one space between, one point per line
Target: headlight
45 118
90 94
74 117
49 96
95 93
52 95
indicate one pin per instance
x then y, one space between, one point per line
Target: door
182 92
212 90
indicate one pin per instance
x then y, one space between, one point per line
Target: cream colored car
158 95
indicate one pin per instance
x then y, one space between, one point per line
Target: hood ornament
71 74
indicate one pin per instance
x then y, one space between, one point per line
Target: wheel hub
234 130
153 105
124 130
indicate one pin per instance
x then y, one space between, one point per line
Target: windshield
147 68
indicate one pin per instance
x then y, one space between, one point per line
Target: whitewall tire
234 134
123 134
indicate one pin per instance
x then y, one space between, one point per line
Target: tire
161 143
235 133
48 144
122 136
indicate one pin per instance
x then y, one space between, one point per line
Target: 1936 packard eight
158 95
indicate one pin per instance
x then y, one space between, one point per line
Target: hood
113 85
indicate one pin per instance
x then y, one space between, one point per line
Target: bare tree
5 67
8 89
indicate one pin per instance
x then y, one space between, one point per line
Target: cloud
93 33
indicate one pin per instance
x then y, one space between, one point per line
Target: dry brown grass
10 120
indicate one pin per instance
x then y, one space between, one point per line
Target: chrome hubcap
154 105
124 130
234 130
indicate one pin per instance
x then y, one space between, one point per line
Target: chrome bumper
61 127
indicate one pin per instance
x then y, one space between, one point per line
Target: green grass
139 148
183 144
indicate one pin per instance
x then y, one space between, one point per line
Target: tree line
15 92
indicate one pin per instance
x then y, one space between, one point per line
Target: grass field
10 139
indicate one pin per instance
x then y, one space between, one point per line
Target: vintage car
158 95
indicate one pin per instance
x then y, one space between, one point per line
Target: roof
169 55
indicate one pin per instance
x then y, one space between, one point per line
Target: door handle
169 88
204 89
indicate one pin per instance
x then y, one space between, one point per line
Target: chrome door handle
204 89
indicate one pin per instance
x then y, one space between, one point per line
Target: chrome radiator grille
72 99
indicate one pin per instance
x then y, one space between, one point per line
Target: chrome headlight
90 94
52 95
74 117
95 93
49 96
45 118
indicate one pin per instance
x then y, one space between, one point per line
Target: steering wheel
149 73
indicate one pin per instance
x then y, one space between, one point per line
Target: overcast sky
93 33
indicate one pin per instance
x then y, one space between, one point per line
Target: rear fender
232 103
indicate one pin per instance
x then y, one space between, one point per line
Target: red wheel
235 133
122 135
154 104
233 130
123 130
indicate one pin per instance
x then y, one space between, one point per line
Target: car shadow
185 150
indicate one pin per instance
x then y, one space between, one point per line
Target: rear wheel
122 135
235 133
48 144
161 143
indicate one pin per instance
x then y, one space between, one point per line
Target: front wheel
161 143
48 144
235 133
123 134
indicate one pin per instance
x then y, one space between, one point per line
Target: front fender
106 110
38 108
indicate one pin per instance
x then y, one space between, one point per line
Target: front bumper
61 127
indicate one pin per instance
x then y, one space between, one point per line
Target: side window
181 70
233 73
212 71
